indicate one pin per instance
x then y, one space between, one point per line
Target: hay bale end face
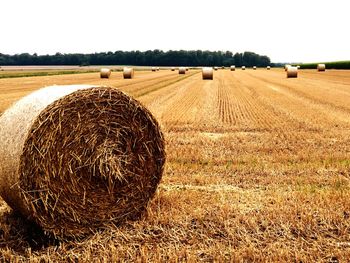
292 72
207 73
233 68
128 73
105 73
72 161
182 70
321 67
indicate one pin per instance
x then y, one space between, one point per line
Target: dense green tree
147 58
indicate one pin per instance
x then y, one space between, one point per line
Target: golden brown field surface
258 169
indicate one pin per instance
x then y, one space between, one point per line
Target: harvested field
258 169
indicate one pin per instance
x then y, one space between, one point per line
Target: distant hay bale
154 69
128 73
268 67
223 67
233 68
173 69
187 68
243 67
321 67
286 67
207 73
71 159
254 68
216 68
105 73
298 67
158 68
292 72
182 70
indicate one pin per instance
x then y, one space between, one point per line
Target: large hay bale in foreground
75 158
182 70
292 72
105 73
321 67
207 73
128 73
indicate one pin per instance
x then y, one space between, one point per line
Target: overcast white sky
286 31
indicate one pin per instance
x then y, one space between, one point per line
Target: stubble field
258 169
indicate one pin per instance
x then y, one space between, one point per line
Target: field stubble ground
258 169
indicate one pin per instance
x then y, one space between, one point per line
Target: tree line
138 58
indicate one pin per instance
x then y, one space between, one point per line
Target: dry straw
286 67
321 67
76 158
292 72
182 70
207 73
105 73
233 68
128 73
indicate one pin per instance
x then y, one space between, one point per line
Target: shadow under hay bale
76 158
19 234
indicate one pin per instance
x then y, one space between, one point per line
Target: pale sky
286 31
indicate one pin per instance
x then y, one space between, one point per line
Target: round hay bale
233 68
128 73
158 68
154 69
298 67
207 73
223 67
321 67
173 69
216 68
292 72
286 67
243 67
254 68
182 70
105 73
76 158
268 67
187 68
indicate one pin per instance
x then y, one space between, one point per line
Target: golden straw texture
75 158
